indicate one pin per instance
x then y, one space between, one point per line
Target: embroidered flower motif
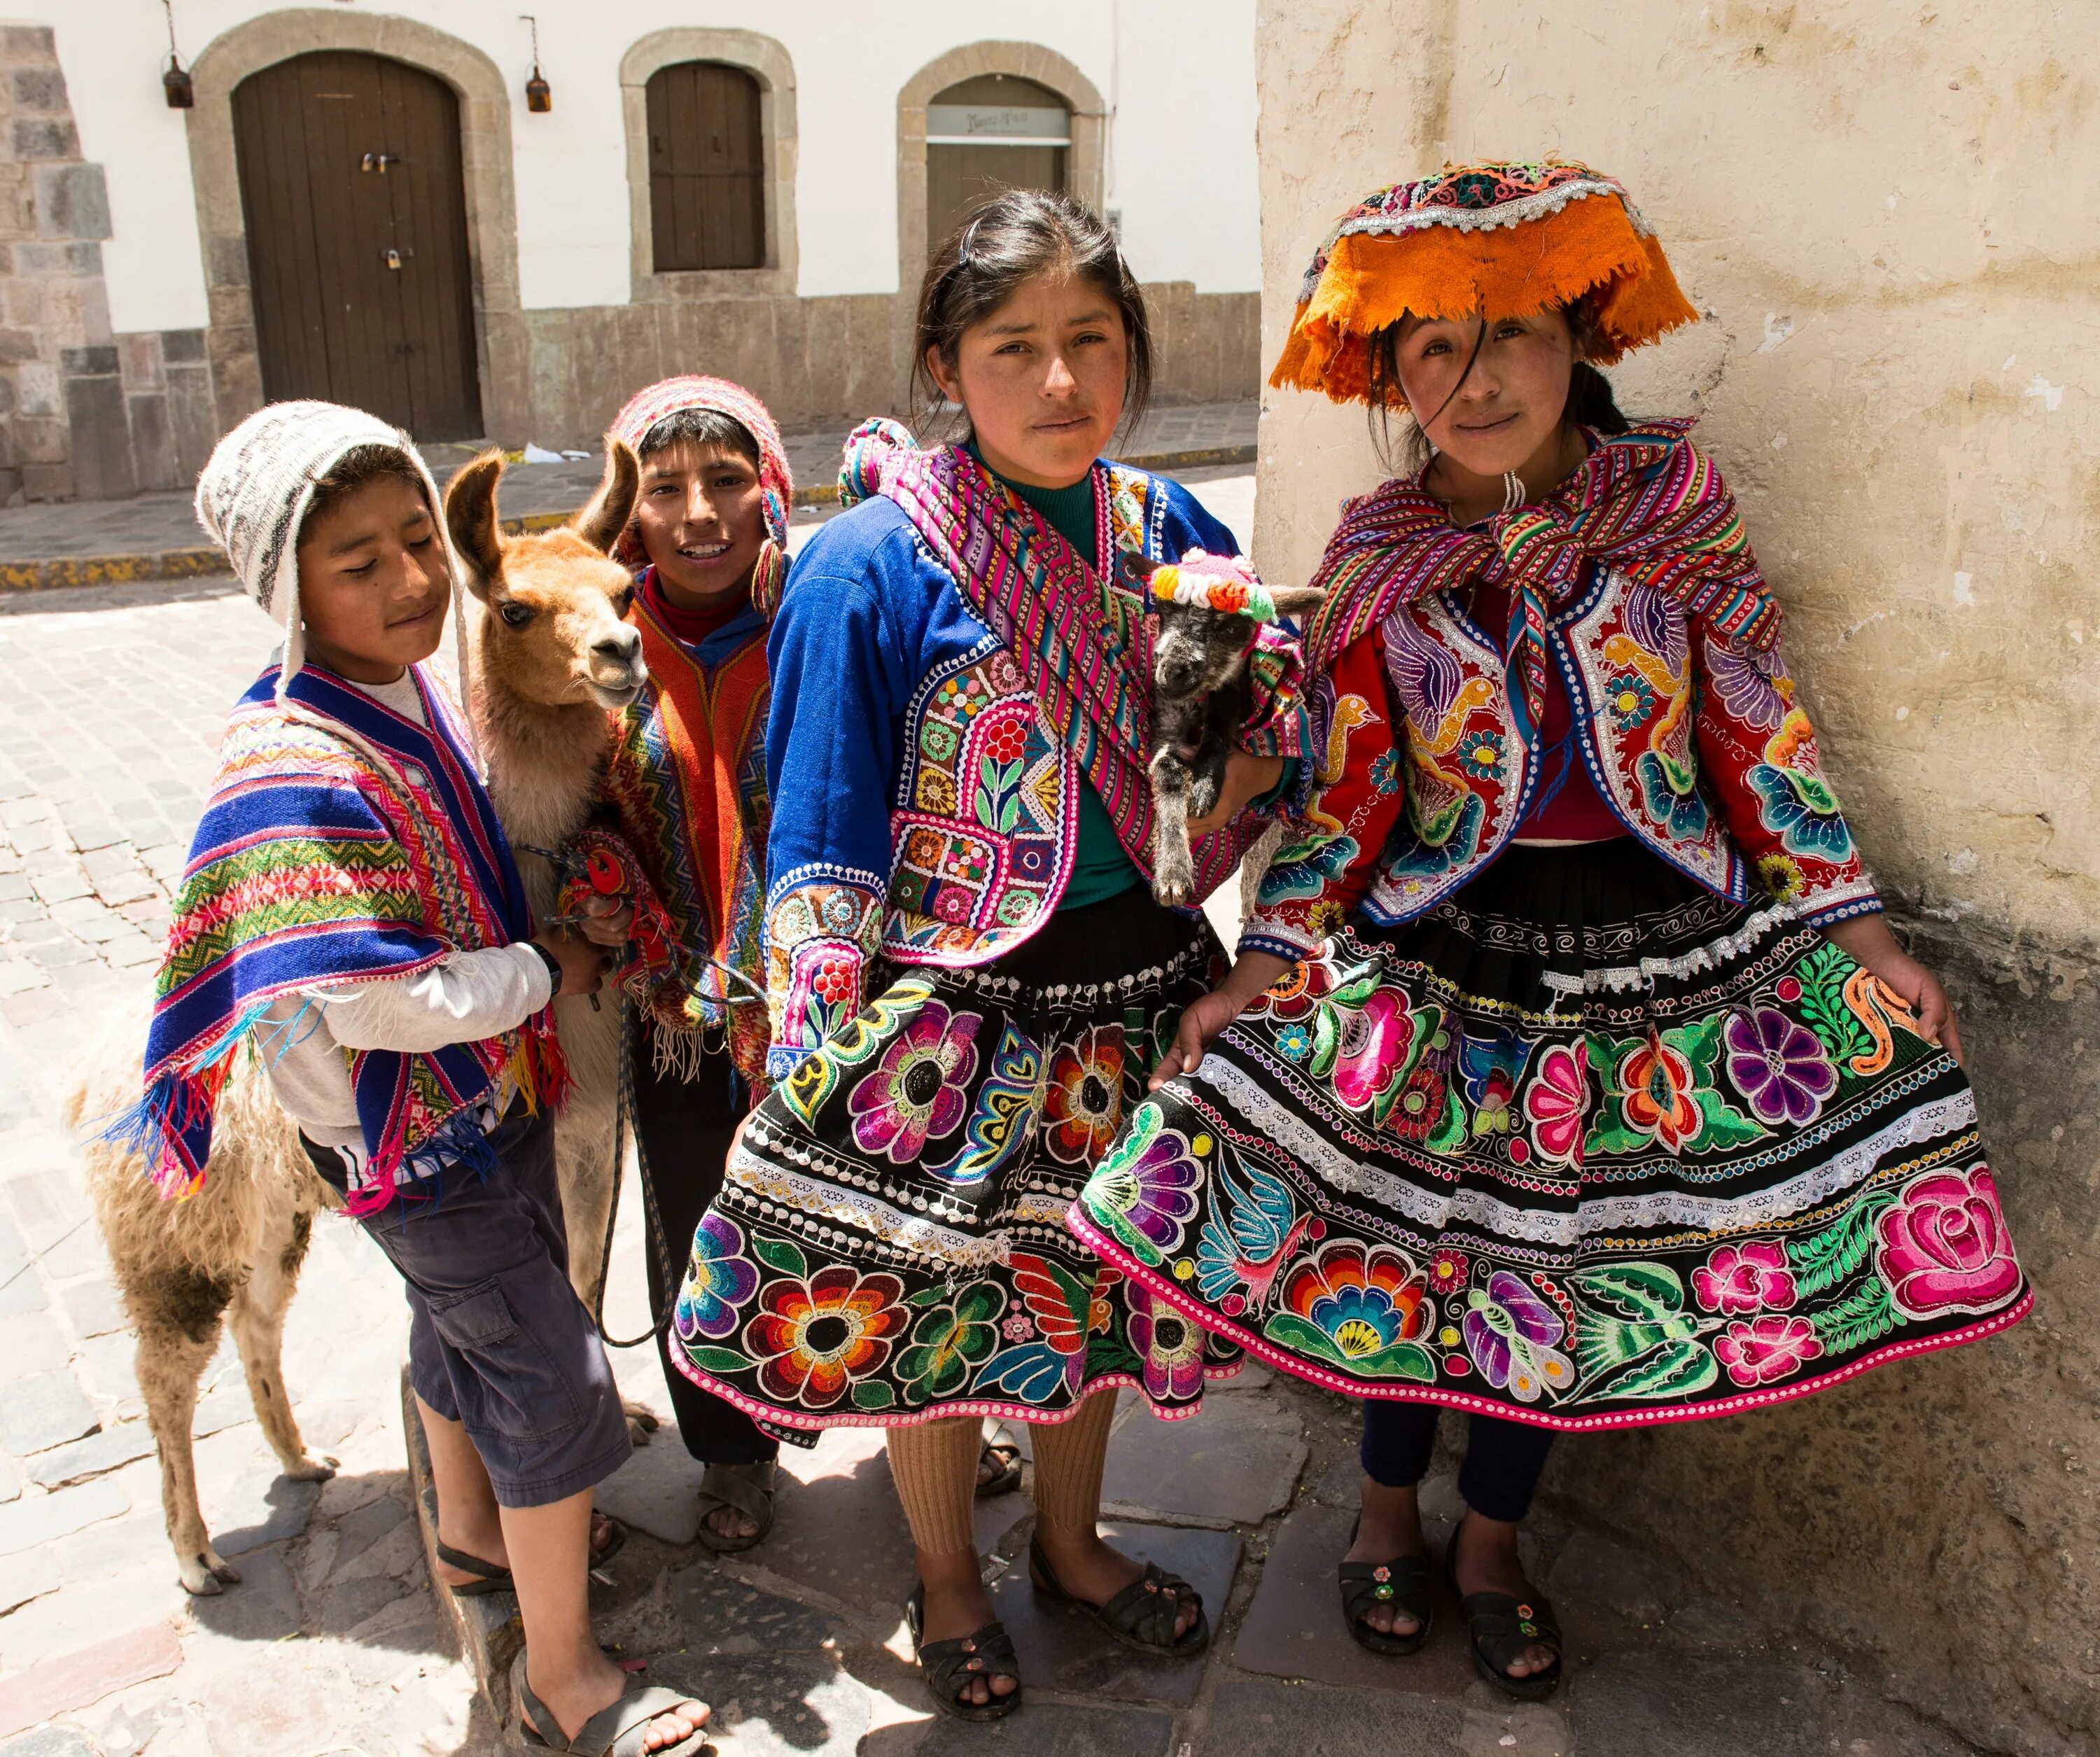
1750 687
1780 1066
1376 1040
813 1338
1780 875
1680 816
1421 1104
1661 1094
1005 742
1362 1299
1144 1190
948 1342
1759 1350
1019 1327
1293 1042
1480 754
1083 1106
1295 994
1801 811
1942 1247
833 980
1557 1101
719 1278
1325 917
1384 771
1629 699
1447 1272
1171 1348
916 1093
1510 1332
1751 1278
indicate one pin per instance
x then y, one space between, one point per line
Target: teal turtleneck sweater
1100 869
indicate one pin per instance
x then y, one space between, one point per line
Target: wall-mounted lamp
539 94
182 93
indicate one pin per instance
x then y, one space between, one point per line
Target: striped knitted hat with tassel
672 396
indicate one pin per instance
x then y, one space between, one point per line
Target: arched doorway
354 201
996 131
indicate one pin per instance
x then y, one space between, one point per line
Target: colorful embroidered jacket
687 783
1698 747
925 811
342 843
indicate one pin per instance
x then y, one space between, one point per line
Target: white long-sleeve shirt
462 998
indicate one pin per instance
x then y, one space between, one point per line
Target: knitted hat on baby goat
254 494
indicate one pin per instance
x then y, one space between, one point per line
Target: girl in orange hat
1569 1074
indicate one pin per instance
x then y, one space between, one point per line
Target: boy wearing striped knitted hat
351 912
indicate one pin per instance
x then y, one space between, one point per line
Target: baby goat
1201 696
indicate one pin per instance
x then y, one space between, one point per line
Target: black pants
683 1129
1503 1459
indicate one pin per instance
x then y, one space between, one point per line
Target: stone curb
56 573
486 1629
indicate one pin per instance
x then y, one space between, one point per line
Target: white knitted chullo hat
253 495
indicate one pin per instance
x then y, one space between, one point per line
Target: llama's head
554 630
1200 650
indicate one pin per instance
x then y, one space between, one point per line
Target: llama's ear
600 523
1296 602
471 518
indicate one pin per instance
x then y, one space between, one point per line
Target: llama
553 657
229 1255
1200 695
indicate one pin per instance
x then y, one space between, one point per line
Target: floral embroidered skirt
1586 1147
890 1246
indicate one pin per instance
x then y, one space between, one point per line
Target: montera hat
1497 238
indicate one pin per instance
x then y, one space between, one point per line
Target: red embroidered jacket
1699 748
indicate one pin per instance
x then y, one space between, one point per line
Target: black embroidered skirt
1584 1146
891 1245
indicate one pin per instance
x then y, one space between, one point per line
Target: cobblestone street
333 1642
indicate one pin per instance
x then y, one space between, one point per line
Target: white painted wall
1181 164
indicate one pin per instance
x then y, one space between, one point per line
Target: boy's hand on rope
606 921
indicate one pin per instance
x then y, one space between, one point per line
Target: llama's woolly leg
1173 861
585 1171
257 1319
170 1361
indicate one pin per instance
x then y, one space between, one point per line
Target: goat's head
1200 650
553 628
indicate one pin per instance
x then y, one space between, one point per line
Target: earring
1513 490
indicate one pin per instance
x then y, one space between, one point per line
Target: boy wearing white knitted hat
350 909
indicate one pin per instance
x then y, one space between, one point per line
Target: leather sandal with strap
1498 1628
949 1667
494 1576
1401 1584
1142 1615
619 1729
747 1488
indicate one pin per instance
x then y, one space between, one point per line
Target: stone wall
1882 211
83 410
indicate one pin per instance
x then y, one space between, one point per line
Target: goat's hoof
206 1575
311 1470
641 1421
1173 892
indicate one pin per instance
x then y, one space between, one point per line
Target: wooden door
355 203
996 131
707 168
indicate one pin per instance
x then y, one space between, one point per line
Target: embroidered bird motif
1250 1248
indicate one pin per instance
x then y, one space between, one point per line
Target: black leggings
683 1129
1503 1459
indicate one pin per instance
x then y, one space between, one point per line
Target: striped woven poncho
342 843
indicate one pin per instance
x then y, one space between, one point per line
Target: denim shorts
498 1341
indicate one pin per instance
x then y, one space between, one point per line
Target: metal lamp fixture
175 81
539 94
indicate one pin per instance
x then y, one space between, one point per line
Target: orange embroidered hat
1505 239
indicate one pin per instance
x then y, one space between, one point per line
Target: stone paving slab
1651 1704
772 1705
1056 1729
1236 1460
1063 1649
1261 1719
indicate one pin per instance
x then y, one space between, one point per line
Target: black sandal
1403 1583
1142 1615
949 1666
1498 1628
1004 1457
492 1577
739 1487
